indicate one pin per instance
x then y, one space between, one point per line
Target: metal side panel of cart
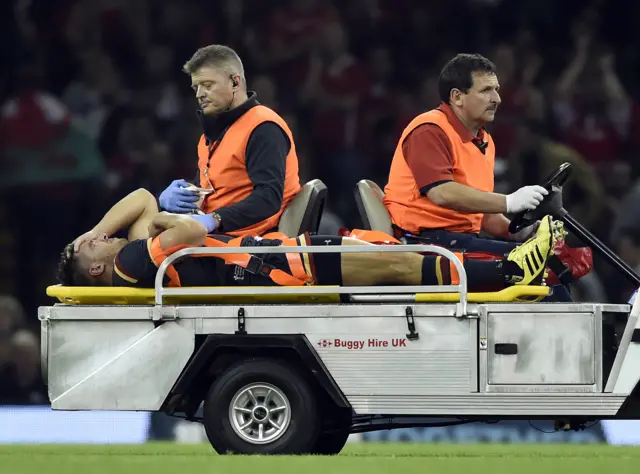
502 360
457 366
106 358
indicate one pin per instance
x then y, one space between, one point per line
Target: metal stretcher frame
461 306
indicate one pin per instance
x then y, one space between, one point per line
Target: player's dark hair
69 271
458 73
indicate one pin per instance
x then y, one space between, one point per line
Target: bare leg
524 265
375 268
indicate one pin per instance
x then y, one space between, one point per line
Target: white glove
526 233
525 199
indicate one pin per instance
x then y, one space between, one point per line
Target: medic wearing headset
246 155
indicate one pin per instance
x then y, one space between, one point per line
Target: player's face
482 100
97 254
213 89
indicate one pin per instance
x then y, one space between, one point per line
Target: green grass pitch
161 458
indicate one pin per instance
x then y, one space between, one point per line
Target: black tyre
330 443
260 406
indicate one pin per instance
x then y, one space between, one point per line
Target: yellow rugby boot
531 257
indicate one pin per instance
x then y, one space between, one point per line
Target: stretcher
277 370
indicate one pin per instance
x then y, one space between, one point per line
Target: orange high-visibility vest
223 165
413 212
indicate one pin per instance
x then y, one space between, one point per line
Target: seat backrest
304 212
372 211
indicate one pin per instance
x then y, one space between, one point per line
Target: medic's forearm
462 198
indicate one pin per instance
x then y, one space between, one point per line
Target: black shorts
325 268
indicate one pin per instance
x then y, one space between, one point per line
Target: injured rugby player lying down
97 259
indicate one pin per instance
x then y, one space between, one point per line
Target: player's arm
135 265
176 229
134 212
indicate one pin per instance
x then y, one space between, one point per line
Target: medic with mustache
441 183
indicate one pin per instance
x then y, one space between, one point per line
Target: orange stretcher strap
299 270
251 263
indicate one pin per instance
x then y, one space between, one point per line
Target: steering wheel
551 204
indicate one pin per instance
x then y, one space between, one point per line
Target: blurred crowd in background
93 104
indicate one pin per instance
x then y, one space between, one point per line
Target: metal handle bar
161 291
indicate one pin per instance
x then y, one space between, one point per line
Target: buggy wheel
261 407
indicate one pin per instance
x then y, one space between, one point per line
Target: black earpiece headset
235 84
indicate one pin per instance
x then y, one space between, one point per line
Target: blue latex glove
206 220
178 200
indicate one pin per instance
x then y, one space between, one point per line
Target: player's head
217 76
91 264
469 83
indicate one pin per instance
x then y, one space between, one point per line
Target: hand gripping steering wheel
551 204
